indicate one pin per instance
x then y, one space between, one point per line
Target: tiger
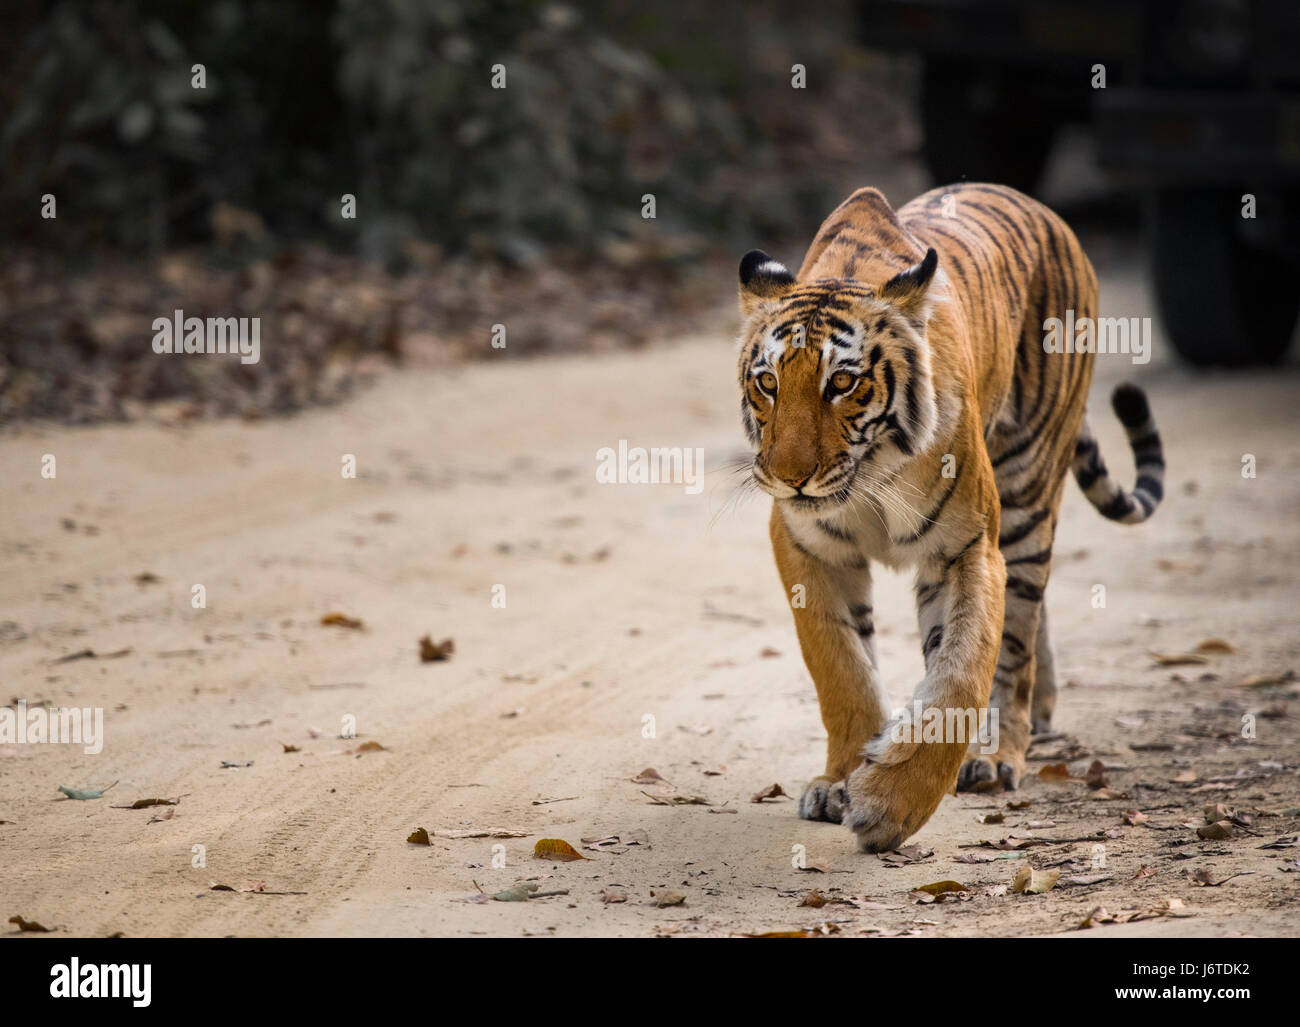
903 408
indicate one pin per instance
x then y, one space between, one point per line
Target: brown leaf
814 898
364 748
419 837
1206 879
1215 645
489 832
767 652
1134 817
434 652
649 776
990 818
1179 659
29 925
773 791
556 849
1215 832
1096 776
1055 772
290 748
342 620
1029 881
1145 871
940 887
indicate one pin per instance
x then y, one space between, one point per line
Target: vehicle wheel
1223 301
982 125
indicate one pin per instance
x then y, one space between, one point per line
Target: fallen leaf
1055 772
1134 817
613 894
1029 881
363 748
1215 645
670 898
29 925
649 776
342 620
990 818
1216 832
82 793
1096 776
767 652
813 898
557 849
1145 871
165 814
146 803
773 791
1179 659
1206 879
434 652
489 832
290 748
419 837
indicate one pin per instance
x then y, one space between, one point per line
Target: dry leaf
1096 776
990 818
434 652
1029 881
613 894
1216 832
1215 645
1206 879
773 791
1134 817
365 747
342 620
488 832
814 898
290 748
29 925
670 898
1055 772
1179 659
649 776
419 837
556 849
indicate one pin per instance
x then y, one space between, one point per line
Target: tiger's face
835 378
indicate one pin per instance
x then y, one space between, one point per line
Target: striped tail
1090 472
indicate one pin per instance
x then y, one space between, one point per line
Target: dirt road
622 603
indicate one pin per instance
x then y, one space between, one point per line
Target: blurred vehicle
1199 111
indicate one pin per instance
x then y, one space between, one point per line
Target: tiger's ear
761 278
907 289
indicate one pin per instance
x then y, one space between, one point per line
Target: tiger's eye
842 381
768 381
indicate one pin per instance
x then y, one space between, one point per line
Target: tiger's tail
1111 500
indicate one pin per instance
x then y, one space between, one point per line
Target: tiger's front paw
823 799
891 800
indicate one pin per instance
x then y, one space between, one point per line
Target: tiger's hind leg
1044 702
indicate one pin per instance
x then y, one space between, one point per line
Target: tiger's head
836 378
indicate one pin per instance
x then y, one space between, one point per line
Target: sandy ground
622 603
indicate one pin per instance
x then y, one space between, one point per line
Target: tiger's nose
797 481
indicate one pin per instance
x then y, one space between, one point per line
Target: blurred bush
391 100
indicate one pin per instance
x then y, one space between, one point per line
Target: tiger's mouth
840 489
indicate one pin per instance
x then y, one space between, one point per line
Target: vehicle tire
982 125
1223 301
